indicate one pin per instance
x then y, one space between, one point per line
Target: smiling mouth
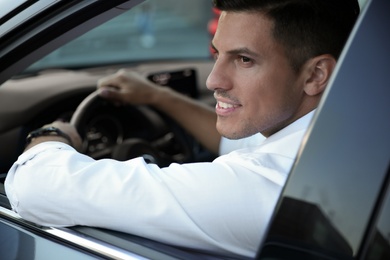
224 105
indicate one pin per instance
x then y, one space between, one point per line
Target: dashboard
29 102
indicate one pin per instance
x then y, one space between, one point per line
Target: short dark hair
306 28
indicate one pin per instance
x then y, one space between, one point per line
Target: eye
245 59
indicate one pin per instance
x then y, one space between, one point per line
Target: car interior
45 92
62 85
336 203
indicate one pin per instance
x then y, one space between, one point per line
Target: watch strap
47 131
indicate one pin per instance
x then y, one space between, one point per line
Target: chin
230 133
235 129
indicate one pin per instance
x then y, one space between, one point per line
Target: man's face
256 88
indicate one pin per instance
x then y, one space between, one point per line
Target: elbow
28 196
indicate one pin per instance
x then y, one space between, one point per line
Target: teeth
224 105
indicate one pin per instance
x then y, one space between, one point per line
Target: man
273 60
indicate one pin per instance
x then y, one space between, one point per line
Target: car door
335 203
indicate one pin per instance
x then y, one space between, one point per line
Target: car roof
343 165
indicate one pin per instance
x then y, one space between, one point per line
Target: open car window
315 201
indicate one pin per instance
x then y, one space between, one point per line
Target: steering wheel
126 132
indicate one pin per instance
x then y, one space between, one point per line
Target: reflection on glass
15 244
380 243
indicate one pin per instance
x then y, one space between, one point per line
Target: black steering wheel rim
129 148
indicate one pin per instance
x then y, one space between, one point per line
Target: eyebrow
238 51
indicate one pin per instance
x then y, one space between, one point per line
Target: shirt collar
299 124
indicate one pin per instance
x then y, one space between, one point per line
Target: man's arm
126 87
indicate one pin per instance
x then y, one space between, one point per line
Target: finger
109 93
109 81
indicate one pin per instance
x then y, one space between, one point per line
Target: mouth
225 106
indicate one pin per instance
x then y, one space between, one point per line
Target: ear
319 69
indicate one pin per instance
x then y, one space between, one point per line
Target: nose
217 78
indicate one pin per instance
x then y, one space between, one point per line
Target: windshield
152 30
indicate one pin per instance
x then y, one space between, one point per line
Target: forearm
52 185
197 118
127 87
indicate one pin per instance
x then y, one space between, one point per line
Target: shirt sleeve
223 206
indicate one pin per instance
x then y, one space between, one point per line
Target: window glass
335 185
380 243
152 30
18 244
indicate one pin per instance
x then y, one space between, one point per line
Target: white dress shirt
223 206
228 145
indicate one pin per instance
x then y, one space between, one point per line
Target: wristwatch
47 131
